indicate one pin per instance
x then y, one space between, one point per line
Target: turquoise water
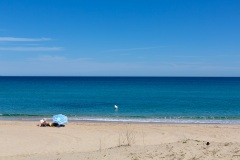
140 99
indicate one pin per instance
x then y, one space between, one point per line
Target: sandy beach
135 141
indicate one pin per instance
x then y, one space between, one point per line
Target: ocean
139 99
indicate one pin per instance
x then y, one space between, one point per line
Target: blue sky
120 37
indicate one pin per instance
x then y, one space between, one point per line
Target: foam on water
170 120
158 120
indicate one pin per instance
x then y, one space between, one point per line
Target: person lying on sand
45 123
54 124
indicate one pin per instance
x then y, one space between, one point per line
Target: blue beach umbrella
60 119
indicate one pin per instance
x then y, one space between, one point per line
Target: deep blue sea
140 99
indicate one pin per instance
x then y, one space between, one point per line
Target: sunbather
44 123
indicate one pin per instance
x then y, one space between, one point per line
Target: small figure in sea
207 143
115 107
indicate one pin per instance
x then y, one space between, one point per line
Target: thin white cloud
133 49
182 56
205 56
54 58
15 39
30 48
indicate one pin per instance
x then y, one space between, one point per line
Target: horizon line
129 76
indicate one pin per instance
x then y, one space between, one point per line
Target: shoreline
120 122
141 121
23 122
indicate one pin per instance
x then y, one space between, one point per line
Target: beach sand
117 141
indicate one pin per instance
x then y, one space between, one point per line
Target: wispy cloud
54 58
207 56
183 56
19 44
16 39
132 49
30 48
